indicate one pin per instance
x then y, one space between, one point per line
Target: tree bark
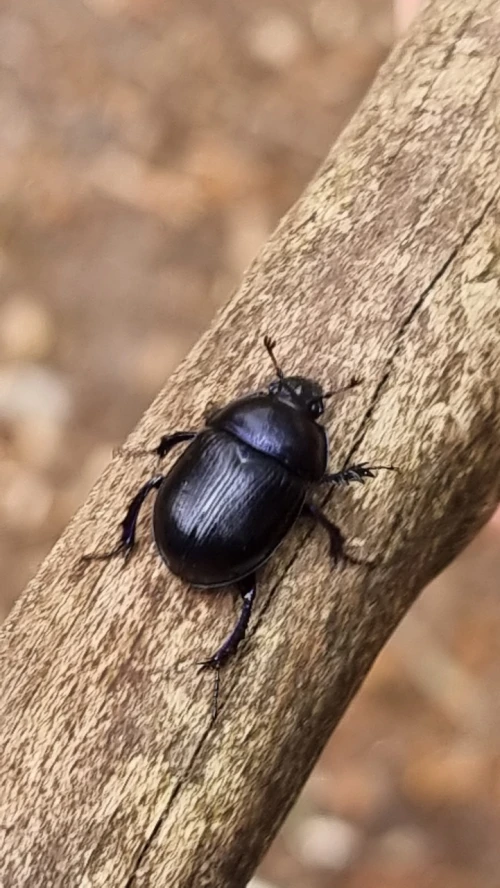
387 268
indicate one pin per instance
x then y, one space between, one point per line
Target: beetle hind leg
127 541
337 540
247 588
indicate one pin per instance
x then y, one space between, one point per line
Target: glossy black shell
276 428
235 492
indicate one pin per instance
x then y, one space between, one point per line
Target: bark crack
406 323
143 851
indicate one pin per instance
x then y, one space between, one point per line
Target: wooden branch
388 268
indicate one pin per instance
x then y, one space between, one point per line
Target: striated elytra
234 493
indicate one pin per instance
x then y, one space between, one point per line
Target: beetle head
302 393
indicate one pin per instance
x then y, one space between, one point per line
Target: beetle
233 495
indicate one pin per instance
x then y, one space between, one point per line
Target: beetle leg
161 450
129 524
337 552
353 473
247 588
169 441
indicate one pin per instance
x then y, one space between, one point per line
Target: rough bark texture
387 268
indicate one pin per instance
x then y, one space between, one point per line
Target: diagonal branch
387 269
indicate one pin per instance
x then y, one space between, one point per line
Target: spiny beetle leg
161 450
169 441
129 524
247 588
337 551
354 473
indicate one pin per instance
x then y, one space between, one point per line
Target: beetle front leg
169 441
161 449
247 588
129 524
353 473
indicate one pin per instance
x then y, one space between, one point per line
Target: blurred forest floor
147 149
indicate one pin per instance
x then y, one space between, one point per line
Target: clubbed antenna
345 388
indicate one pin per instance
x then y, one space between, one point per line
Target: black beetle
232 496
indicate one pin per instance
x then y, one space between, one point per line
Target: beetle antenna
269 345
330 394
345 388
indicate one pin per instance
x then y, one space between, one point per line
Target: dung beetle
233 495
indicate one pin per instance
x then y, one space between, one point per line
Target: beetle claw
104 556
127 553
368 563
212 663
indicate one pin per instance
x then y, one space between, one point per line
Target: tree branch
387 268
